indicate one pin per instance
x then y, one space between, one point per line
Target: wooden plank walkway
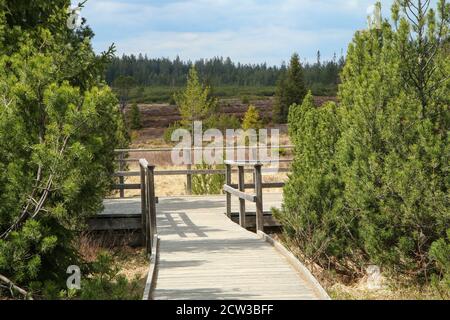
204 255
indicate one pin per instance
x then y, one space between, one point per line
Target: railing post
143 204
148 219
242 201
121 178
259 199
189 181
151 182
228 182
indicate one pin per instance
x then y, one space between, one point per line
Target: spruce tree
251 119
291 89
123 86
194 102
135 117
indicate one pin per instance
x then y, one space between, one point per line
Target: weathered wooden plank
134 186
267 185
192 172
241 186
118 151
228 195
239 194
259 199
269 220
127 174
114 223
203 255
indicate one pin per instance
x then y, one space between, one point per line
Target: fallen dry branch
14 287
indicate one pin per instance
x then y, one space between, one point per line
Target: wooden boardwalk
204 255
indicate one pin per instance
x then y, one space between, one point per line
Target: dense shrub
222 122
59 126
169 131
203 184
440 253
313 215
370 181
105 282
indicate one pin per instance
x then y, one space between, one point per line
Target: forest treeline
321 76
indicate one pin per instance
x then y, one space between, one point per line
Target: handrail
195 148
123 159
193 171
122 186
148 204
240 192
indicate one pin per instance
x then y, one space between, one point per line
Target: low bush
440 253
203 184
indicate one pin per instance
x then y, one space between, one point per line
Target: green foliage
370 180
291 89
440 253
222 122
311 209
169 131
165 94
157 80
204 184
123 86
233 79
105 282
135 117
194 102
59 126
251 119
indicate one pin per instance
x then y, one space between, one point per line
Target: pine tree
251 119
291 89
194 102
312 213
59 126
374 189
394 146
135 117
123 86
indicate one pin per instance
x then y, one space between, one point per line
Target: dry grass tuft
341 287
132 262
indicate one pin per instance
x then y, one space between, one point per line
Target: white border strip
323 295
151 277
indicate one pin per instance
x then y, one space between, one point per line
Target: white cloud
245 30
248 46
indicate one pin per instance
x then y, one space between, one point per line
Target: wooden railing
239 191
189 172
148 204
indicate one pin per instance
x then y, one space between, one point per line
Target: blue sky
248 31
